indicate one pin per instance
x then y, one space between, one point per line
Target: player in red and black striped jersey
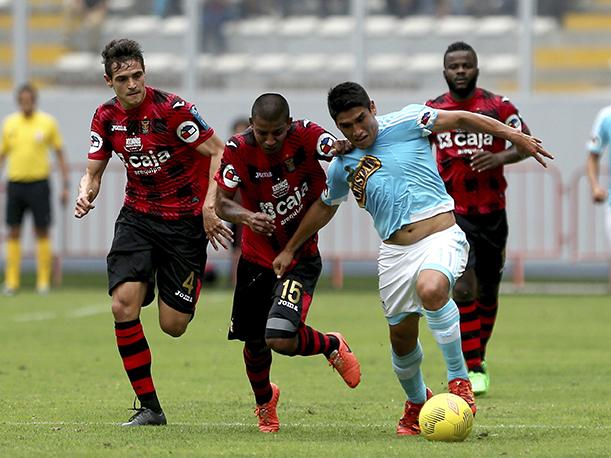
160 234
471 165
275 166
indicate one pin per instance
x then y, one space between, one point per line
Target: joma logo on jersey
357 179
462 139
150 160
289 204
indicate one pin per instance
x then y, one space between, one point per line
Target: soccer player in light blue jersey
393 176
598 144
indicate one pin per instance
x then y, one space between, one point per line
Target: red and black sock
470 328
312 342
487 314
136 356
258 363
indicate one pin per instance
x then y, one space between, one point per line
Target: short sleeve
599 137
188 124
227 176
318 140
337 189
99 148
510 115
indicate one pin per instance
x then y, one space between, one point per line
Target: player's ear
372 108
108 80
289 121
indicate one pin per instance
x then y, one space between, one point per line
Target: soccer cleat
408 425
479 382
461 387
344 362
268 417
145 416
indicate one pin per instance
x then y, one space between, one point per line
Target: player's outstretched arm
317 217
473 122
89 186
216 231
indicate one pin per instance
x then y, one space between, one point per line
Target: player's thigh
180 256
490 248
39 201
130 258
15 203
252 301
292 298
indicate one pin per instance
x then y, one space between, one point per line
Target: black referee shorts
34 196
172 253
487 237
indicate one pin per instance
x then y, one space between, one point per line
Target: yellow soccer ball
446 417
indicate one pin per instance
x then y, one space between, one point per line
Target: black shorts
146 249
264 306
35 196
487 237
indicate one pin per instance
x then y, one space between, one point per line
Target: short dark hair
459 46
270 107
121 51
27 87
345 96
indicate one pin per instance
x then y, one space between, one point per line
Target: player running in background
471 166
599 143
159 233
393 176
27 137
275 166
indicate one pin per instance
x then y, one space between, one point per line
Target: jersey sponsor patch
324 145
188 131
199 118
95 143
514 121
230 177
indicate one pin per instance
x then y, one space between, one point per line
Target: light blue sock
408 371
445 326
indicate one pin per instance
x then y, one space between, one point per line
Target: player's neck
460 97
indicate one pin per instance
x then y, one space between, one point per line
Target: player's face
359 125
461 72
127 80
270 135
26 102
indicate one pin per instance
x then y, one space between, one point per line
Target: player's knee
284 346
463 292
433 295
124 309
174 328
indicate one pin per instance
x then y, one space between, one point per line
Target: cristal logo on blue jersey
357 179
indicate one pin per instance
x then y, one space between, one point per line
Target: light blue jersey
601 136
396 178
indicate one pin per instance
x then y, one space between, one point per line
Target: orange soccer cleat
409 425
461 387
345 363
268 417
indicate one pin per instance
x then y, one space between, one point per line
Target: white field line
499 426
82 312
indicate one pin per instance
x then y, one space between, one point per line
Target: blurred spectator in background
165 8
27 136
85 17
215 14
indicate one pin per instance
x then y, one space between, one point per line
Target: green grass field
64 392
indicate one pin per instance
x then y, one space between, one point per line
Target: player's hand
341 147
216 230
530 146
261 223
484 160
282 263
83 203
599 194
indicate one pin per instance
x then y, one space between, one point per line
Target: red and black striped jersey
473 192
283 185
156 142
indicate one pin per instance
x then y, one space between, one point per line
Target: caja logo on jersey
95 142
146 163
464 139
291 205
325 144
188 131
230 177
